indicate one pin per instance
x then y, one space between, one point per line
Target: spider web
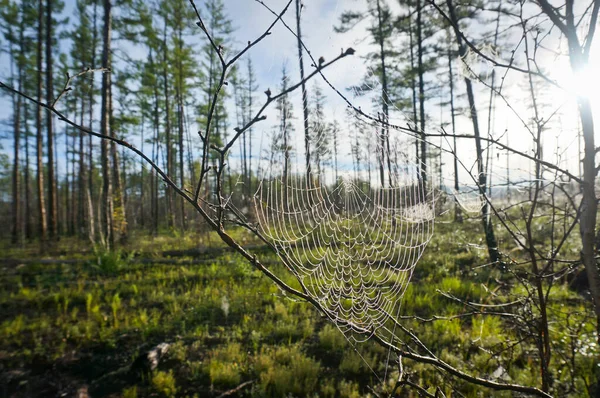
470 200
351 242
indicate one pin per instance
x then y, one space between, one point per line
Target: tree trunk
589 210
17 232
286 165
384 139
69 177
43 226
335 151
181 163
106 206
120 215
304 93
488 227
170 212
421 72
154 176
81 183
491 109
90 188
52 194
413 85
244 157
28 232
457 210
180 138
251 81
142 213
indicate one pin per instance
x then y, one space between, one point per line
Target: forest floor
79 322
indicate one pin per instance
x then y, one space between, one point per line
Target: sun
582 83
585 82
571 86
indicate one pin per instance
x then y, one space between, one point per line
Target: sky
508 121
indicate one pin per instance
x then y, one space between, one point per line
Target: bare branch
259 116
67 87
549 165
201 25
592 30
438 363
554 15
485 56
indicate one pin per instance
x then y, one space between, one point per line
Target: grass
85 324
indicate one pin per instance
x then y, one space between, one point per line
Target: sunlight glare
584 83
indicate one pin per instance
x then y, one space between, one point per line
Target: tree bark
170 210
142 212
579 57
106 204
52 194
384 139
589 209
180 109
154 176
90 188
304 93
457 210
81 178
421 72
413 85
27 220
17 232
43 225
119 213
250 110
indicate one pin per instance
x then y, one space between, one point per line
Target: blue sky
319 17
249 20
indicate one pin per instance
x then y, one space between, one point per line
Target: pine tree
335 129
38 126
52 193
451 56
305 112
381 32
418 23
105 120
251 88
241 104
11 18
219 27
184 76
320 131
488 227
149 100
281 142
94 218
81 58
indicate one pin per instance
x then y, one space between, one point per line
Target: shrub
224 374
226 365
130 392
348 389
110 262
331 339
164 383
351 363
287 370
